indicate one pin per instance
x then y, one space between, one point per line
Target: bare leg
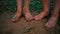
27 15
52 21
45 10
18 13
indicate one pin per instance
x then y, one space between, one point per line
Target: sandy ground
22 26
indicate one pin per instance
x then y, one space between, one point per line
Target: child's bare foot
52 22
19 10
41 15
16 17
27 15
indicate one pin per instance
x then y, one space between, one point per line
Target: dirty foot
40 16
16 17
28 16
26 13
52 22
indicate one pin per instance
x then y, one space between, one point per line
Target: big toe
30 18
14 19
47 25
36 18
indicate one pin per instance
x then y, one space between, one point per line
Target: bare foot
16 17
52 22
27 15
41 15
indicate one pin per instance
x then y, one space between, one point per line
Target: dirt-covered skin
25 11
18 12
45 4
54 17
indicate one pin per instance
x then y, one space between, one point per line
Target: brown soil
22 26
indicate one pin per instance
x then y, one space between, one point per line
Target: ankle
25 10
55 15
45 12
